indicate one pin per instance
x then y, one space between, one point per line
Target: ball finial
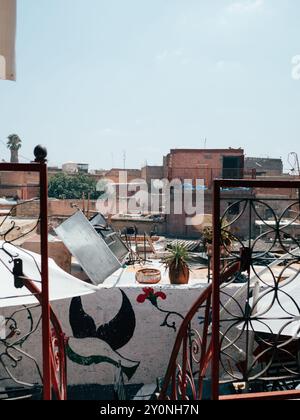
40 153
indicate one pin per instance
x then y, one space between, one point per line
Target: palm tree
14 144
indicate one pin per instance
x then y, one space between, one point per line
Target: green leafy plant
14 144
226 236
178 264
64 186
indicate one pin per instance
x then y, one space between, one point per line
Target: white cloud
178 52
296 67
162 55
110 132
245 6
228 66
166 54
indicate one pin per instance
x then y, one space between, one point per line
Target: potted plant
207 237
178 264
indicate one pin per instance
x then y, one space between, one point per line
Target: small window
232 167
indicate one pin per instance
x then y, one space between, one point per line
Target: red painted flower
151 296
147 292
161 295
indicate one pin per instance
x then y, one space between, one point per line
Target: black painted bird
117 333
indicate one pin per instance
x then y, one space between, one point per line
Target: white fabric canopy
7 39
279 315
61 284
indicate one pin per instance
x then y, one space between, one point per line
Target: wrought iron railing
13 354
248 343
192 353
19 327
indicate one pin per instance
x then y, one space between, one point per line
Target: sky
98 80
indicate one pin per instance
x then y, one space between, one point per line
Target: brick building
206 164
114 174
150 173
21 185
201 164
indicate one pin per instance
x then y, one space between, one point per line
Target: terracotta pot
148 276
179 275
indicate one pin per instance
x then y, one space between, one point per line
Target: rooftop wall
194 164
266 166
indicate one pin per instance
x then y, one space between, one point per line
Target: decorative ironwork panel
248 343
259 326
28 322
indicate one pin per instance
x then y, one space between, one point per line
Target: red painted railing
195 360
192 350
53 341
57 344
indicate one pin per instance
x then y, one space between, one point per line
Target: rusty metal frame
180 375
40 166
206 343
217 280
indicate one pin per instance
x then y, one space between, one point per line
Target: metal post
83 203
209 267
216 291
89 205
40 155
145 252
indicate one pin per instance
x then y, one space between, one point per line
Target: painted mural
115 334
132 328
137 328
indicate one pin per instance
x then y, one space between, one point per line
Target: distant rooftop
264 164
234 150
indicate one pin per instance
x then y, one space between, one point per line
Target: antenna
124 159
205 142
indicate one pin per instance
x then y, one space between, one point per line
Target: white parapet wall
134 326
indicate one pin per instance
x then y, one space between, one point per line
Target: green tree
63 186
14 144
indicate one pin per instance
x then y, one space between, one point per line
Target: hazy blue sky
96 77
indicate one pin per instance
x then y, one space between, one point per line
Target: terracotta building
21 185
206 164
201 164
114 174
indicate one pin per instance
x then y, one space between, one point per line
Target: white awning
7 39
285 222
61 284
278 311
